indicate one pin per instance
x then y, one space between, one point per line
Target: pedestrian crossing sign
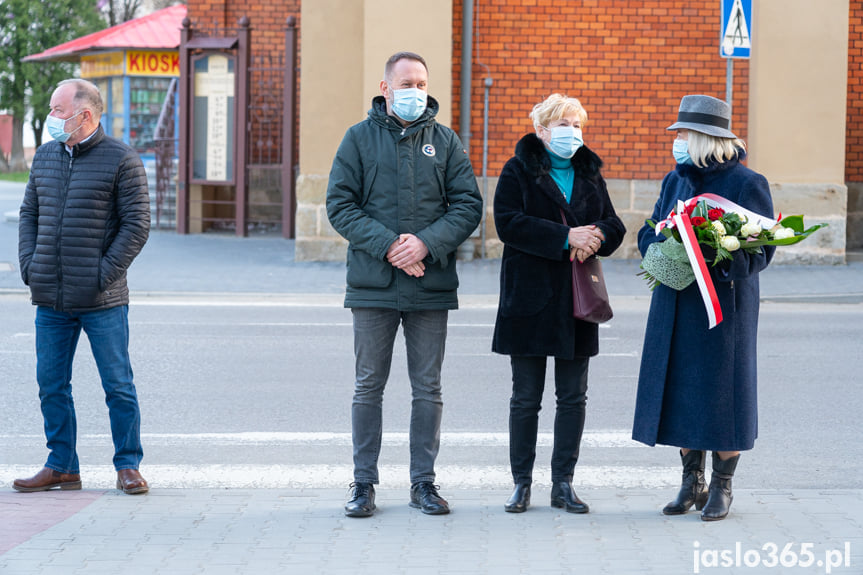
736 29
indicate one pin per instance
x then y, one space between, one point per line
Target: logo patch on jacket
429 150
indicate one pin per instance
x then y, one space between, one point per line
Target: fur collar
532 154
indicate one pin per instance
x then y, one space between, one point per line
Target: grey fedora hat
704 114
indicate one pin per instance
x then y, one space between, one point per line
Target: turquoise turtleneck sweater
564 176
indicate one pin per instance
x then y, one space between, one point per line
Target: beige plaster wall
416 26
798 85
331 76
797 91
345 46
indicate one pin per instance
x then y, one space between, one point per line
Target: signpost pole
729 82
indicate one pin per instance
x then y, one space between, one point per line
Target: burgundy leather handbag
589 296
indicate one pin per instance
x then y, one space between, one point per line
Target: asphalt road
245 378
248 391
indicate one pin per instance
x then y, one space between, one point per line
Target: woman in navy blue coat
697 386
552 176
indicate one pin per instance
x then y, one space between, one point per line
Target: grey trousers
425 338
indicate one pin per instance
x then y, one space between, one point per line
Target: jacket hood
378 113
531 152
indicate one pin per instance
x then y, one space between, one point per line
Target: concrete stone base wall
316 238
819 203
854 231
633 200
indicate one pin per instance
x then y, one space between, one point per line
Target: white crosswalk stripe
324 476
592 438
336 475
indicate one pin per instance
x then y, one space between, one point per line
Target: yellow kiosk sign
151 63
131 63
102 65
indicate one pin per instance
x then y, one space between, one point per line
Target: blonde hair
554 108
704 147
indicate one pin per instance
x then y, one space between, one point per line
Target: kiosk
133 64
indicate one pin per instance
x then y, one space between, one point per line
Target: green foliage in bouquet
667 263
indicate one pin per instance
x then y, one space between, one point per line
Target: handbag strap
563 217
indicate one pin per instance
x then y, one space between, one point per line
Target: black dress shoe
424 496
519 501
563 497
362 501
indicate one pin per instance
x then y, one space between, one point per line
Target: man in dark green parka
403 193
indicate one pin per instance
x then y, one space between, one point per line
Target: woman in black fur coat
552 176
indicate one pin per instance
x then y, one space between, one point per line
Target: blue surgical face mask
57 127
680 149
409 103
565 141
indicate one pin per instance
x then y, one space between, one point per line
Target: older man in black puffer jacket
85 216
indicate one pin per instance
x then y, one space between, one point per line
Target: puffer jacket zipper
58 304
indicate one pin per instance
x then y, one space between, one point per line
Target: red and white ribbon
714 201
699 267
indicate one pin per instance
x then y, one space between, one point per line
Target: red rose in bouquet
715 214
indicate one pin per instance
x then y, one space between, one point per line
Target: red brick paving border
23 515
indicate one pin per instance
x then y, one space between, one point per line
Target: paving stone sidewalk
253 531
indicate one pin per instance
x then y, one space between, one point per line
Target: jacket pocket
101 273
25 272
525 286
440 173
369 177
364 271
437 278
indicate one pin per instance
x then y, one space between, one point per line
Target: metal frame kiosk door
213 122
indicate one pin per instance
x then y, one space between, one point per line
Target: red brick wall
628 62
854 133
267 19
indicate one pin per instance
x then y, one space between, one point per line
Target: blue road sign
735 40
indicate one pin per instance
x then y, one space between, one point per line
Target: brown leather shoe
48 479
131 482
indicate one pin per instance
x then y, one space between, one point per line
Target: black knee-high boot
719 493
693 489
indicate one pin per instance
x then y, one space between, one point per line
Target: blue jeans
57 335
425 337
528 382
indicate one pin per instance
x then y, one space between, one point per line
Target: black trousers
528 383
